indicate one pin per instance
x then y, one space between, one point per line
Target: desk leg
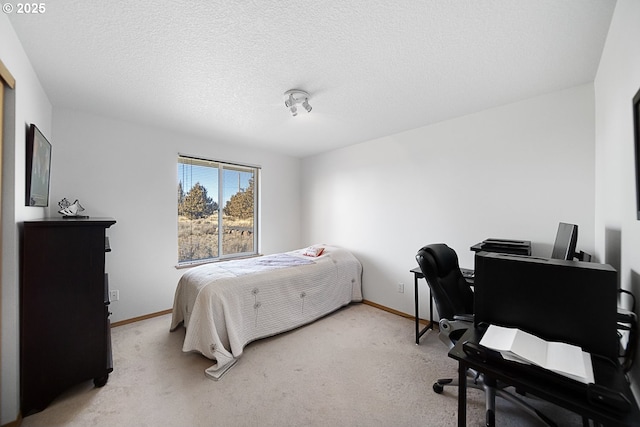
430 310
462 395
419 332
415 285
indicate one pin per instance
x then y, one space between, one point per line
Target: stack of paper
519 346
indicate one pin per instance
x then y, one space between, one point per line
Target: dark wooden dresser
65 336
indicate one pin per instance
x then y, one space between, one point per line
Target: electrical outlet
401 288
114 295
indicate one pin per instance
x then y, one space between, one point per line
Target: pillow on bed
314 251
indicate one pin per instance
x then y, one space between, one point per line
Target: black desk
417 274
547 385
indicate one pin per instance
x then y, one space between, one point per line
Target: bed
226 305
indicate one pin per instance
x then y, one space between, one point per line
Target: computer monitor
557 300
566 241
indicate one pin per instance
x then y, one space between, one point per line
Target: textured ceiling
373 67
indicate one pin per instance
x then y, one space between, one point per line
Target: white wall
27 104
128 172
509 172
617 81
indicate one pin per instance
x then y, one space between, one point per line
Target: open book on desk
519 346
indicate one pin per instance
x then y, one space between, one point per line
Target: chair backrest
451 292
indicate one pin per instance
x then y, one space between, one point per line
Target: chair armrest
447 326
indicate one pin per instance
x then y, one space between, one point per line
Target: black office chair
454 300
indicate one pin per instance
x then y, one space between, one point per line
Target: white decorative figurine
70 209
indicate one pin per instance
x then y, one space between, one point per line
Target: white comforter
226 305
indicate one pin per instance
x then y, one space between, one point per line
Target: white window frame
221 167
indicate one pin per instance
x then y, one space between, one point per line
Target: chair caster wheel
438 388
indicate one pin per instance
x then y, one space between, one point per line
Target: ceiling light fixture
296 96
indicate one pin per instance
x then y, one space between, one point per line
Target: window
217 210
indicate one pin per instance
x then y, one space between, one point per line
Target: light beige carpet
358 366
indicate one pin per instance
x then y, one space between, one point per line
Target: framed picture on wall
636 137
38 168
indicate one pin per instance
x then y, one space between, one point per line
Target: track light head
306 105
289 101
